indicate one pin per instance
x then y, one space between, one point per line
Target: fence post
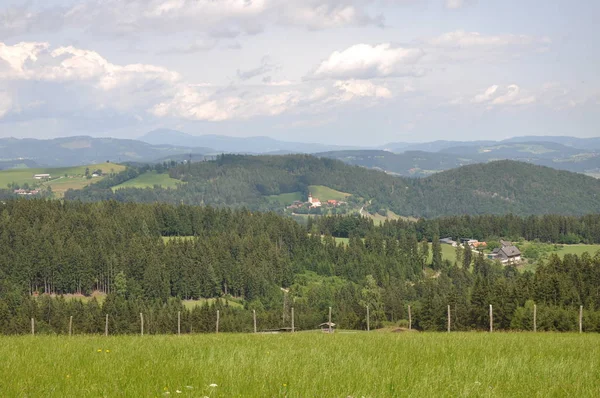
32 326
535 318
141 324
581 319
491 319
217 321
449 321
254 317
70 325
178 323
106 326
368 320
409 319
293 328
329 319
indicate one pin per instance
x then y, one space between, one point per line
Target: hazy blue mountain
227 144
514 150
580 143
71 151
434 146
408 164
420 163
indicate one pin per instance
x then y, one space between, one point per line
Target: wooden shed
327 327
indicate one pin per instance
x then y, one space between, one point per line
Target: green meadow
63 178
303 364
149 180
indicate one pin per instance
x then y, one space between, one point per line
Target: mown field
149 180
303 365
21 176
75 176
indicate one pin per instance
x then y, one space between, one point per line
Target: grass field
149 180
325 193
76 176
190 304
303 365
577 249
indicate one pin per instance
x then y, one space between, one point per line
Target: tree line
545 228
149 257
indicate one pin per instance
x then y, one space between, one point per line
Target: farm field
76 179
577 249
324 193
149 180
303 364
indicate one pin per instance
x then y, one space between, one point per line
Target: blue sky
360 72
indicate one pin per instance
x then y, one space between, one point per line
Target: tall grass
303 365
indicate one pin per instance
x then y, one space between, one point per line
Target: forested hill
493 188
515 187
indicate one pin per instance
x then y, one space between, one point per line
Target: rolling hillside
411 163
72 151
494 188
61 179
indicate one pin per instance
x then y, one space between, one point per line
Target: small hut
327 327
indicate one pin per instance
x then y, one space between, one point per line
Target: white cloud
5 103
362 88
13 59
504 95
217 18
197 104
363 61
487 95
23 61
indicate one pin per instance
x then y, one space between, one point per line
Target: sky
348 72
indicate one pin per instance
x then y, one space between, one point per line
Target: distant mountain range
420 163
581 155
73 151
226 144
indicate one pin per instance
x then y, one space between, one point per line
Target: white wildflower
213 385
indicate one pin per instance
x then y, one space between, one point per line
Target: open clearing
75 176
303 365
325 193
149 180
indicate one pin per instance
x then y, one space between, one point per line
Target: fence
329 324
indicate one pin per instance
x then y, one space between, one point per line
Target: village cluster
314 203
506 254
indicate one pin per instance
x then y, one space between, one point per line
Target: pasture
63 178
304 364
149 180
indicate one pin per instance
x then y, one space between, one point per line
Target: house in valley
507 254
